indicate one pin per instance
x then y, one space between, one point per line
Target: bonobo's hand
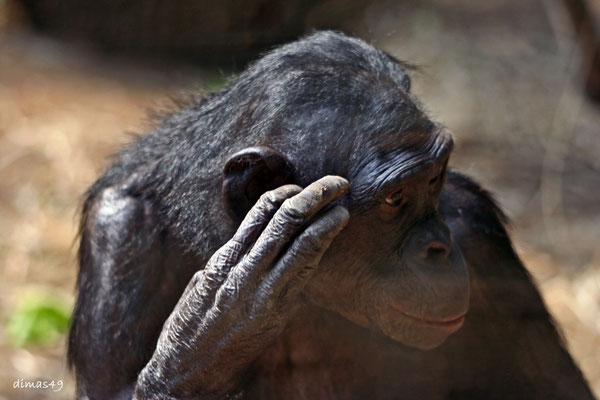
240 302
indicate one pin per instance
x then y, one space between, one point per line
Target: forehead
397 127
410 129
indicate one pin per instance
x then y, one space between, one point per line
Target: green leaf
38 319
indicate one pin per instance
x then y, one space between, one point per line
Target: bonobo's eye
395 199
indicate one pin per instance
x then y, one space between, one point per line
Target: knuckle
311 244
229 253
272 199
267 203
251 260
230 289
223 257
235 245
268 200
197 277
211 278
294 210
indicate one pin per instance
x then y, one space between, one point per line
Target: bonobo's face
348 111
395 267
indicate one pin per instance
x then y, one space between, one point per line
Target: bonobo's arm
124 292
229 312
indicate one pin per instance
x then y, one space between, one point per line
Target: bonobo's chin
419 333
421 342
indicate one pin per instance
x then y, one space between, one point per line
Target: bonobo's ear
250 173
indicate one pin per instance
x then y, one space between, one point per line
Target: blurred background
515 80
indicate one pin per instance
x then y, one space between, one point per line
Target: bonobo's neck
322 354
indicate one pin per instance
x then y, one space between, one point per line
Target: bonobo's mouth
448 325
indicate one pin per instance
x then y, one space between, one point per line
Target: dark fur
173 220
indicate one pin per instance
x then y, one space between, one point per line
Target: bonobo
298 235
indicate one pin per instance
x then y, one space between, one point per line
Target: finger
295 267
262 212
292 216
253 224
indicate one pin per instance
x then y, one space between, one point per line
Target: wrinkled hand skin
241 301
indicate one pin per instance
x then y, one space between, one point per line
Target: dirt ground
504 76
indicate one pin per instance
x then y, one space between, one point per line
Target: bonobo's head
333 105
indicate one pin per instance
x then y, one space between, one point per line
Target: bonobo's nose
430 241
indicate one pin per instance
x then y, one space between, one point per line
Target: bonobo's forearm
241 301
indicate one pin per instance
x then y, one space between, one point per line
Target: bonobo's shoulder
469 209
112 212
110 205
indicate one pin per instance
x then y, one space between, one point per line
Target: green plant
38 319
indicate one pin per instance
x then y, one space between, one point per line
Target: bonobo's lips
448 325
